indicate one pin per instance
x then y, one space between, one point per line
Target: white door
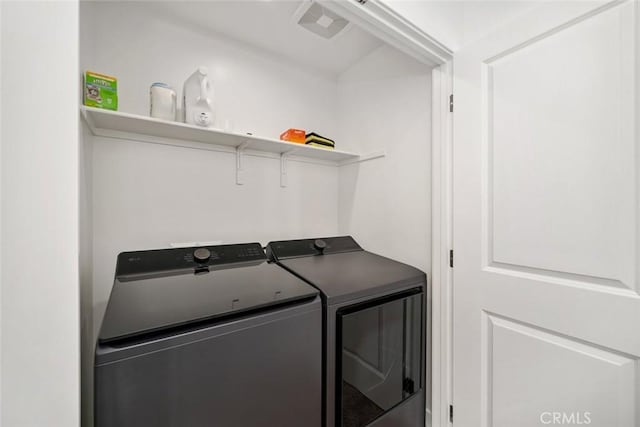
546 220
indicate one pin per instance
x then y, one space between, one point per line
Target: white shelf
120 125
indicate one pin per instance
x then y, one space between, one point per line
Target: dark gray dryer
211 336
374 330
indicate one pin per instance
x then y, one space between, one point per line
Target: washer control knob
201 255
320 245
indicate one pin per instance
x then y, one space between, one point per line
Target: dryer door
379 356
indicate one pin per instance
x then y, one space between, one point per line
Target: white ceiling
269 25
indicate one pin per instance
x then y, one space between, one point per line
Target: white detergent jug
196 104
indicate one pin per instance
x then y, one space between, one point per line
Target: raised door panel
561 154
542 378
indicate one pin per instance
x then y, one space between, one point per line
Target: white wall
458 22
1 209
39 313
87 341
385 104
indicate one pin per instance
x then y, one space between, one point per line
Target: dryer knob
201 255
320 245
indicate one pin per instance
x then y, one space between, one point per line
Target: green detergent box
100 91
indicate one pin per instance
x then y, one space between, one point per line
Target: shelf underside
114 123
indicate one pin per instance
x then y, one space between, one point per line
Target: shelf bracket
283 167
240 163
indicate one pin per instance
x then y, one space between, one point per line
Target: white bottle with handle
196 104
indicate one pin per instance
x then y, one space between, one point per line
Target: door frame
383 22
442 245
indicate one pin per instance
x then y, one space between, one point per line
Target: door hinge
408 386
451 103
450 413
451 258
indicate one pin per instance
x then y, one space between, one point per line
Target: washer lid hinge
451 103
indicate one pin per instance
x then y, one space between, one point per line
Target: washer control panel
160 260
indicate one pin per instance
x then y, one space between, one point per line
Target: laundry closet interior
148 185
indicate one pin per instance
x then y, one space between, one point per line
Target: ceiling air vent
320 20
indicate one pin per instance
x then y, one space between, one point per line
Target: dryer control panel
286 249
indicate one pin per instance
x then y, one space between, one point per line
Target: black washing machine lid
160 290
341 269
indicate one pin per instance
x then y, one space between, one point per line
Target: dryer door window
379 356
